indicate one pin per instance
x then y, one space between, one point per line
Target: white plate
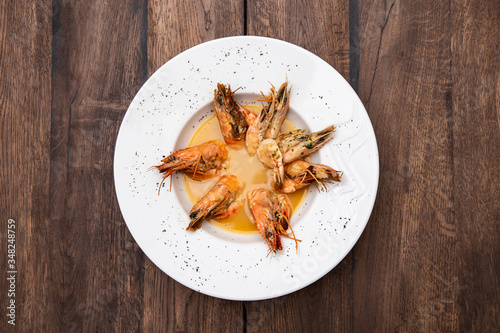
162 118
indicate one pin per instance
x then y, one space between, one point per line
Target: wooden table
428 72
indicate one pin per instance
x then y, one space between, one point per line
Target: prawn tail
196 220
278 177
336 176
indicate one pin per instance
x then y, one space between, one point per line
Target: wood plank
25 79
97 68
476 161
321 27
176 26
406 279
173 27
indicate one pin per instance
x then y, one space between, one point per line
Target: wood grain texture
173 27
409 250
427 254
24 164
97 67
321 27
475 69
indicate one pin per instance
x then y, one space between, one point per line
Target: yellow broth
247 168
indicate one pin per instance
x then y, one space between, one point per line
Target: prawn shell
216 202
232 123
